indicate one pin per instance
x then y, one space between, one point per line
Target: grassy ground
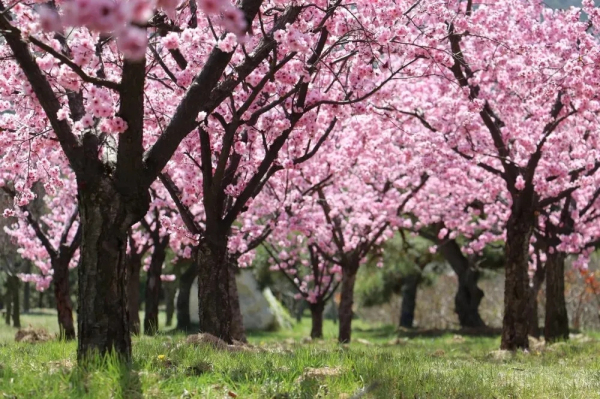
447 366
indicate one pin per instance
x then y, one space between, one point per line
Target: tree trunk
169 289
538 280
27 291
134 262
16 311
238 331
316 313
26 297
346 303
534 324
8 298
515 325
153 286
40 300
469 295
183 297
409 299
213 287
60 279
106 217
556 324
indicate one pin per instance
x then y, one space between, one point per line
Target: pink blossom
132 43
520 183
49 19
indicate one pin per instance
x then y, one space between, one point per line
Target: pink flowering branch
73 66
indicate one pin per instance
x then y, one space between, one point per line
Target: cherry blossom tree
291 253
117 85
48 233
518 99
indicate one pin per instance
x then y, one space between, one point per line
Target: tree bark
468 295
64 308
238 331
515 325
186 280
346 303
409 299
556 324
213 287
153 286
106 217
316 314
134 263
16 311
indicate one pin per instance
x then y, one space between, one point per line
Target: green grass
440 367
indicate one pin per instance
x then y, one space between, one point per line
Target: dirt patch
32 335
206 339
217 343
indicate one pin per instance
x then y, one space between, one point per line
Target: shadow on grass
377 332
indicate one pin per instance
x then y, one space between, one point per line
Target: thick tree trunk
106 217
469 295
134 263
515 325
238 331
186 280
316 314
16 310
213 287
153 286
409 299
346 303
556 324
64 307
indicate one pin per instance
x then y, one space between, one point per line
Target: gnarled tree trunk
213 287
556 324
469 295
153 285
409 299
515 325
346 302
106 217
60 279
316 314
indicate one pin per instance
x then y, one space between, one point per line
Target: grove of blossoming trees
316 127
